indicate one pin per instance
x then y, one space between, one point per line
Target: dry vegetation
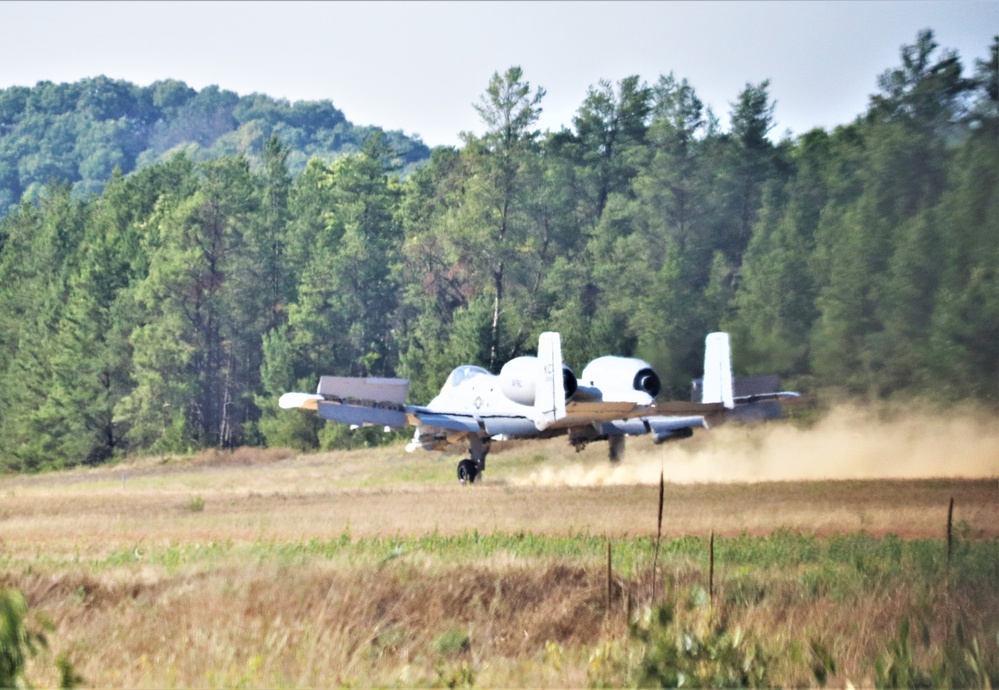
263 568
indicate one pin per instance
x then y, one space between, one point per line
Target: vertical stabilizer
718 370
549 394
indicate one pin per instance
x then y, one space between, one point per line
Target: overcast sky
419 66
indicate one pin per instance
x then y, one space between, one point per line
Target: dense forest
81 132
167 309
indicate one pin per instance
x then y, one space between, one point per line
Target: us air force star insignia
477 403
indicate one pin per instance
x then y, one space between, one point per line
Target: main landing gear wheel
468 472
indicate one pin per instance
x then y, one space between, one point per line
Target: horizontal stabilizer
785 397
751 389
681 407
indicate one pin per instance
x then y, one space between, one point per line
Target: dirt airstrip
853 471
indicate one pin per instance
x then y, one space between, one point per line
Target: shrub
700 652
17 640
454 641
963 663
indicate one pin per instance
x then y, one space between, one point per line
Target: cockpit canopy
462 374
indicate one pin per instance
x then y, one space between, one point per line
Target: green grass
819 562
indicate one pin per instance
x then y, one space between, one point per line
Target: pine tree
509 109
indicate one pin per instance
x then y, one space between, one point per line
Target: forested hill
168 312
80 132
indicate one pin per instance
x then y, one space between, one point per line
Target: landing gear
616 444
467 472
470 469
579 437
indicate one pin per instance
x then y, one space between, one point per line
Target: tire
467 472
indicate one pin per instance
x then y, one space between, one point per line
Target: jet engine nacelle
622 379
519 377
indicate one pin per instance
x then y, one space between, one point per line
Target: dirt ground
855 470
304 497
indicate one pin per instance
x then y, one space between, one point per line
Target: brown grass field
374 567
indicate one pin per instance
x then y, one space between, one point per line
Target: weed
966 664
895 668
68 677
454 675
452 642
823 663
17 640
961 663
554 655
609 666
697 652
196 504
20 640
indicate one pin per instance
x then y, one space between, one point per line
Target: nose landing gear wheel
468 472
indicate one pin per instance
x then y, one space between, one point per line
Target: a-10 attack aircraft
537 397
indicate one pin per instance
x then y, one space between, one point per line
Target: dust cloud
848 443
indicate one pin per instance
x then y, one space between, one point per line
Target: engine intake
646 380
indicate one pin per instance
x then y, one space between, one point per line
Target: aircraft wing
421 416
600 411
373 402
355 401
661 428
306 401
586 412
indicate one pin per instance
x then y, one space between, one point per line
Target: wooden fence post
711 567
659 535
609 577
950 530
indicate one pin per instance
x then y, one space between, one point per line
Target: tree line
81 132
168 312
